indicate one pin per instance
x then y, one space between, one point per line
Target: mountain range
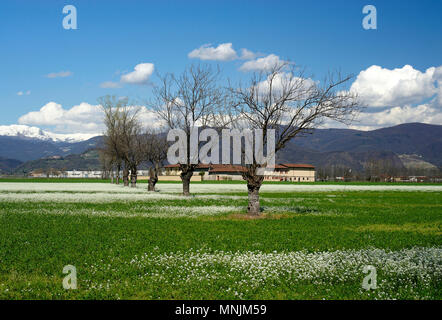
402 146
23 131
87 160
410 138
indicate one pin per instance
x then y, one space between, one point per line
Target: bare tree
132 144
121 143
284 100
155 152
111 139
189 102
106 161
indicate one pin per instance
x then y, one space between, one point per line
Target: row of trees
281 98
127 143
375 170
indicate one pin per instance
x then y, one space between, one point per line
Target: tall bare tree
132 143
155 152
121 139
189 102
112 142
106 161
283 99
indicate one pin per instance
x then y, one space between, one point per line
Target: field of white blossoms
311 241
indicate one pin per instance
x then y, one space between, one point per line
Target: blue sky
115 36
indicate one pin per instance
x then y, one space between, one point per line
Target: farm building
291 172
83 174
282 172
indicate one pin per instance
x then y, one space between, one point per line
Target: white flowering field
311 241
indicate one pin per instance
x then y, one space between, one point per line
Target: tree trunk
253 209
133 177
126 177
153 179
186 175
118 175
151 185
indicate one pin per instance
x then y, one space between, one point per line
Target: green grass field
93 180
127 244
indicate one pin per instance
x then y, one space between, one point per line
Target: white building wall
83 174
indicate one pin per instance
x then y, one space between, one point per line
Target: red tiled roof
226 168
172 166
203 166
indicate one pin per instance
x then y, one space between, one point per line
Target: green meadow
142 181
128 244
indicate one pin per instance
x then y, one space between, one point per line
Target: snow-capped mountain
24 131
26 143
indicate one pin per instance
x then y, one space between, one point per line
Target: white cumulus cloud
401 95
262 64
140 75
380 87
81 118
247 54
222 52
437 76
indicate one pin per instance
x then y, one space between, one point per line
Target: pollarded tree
155 150
189 102
112 142
132 143
284 100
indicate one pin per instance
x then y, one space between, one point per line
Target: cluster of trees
375 170
280 98
378 169
127 143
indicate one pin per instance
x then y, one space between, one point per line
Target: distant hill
420 139
86 161
347 159
7 165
